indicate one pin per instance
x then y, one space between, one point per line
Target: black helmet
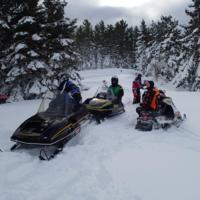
140 75
114 80
151 84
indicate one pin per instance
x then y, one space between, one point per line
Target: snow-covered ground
110 161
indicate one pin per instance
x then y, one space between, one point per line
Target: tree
40 47
84 44
190 70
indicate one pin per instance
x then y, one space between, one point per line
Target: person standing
136 86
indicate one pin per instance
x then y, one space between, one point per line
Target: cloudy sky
133 11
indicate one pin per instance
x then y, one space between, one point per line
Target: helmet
149 84
114 80
139 75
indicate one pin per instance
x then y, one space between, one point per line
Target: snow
20 34
110 161
37 88
32 53
56 57
36 37
36 64
20 46
65 41
26 19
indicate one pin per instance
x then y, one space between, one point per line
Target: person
69 87
115 91
149 98
136 86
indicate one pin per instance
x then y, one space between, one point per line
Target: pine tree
143 43
85 45
190 71
19 50
100 44
110 44
135 45
166 47
57 41
40 45
119 39
144 35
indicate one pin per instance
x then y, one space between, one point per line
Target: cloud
91 10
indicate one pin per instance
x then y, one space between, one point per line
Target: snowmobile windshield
56 106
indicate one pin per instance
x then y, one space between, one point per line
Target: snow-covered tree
85 45
166 48
39 48
189 73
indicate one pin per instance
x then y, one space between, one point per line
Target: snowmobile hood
99 103
54 121
38 130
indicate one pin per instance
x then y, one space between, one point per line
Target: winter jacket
150 99
136 86
69 87
115 93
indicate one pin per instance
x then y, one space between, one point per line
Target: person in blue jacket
72 89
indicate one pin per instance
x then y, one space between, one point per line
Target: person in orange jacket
149 98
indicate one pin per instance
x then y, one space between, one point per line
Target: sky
132 11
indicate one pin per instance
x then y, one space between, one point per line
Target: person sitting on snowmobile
72 89
115 91
149 98
156 102
136 86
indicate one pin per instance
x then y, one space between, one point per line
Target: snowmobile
164 117
100 107
57 121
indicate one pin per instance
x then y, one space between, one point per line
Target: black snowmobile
164 117
57 121
101 107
